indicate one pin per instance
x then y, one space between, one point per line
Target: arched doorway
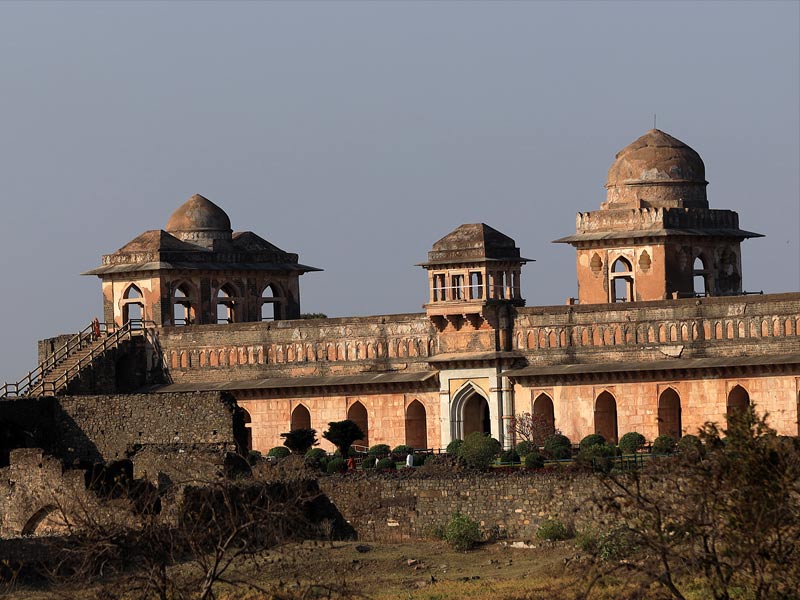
605 417
242 430
543 410
476 416
301 418
132 306
738 401
669 413
358 415
416 425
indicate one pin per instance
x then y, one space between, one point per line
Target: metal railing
96 337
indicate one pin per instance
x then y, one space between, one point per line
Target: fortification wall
319 347
650 331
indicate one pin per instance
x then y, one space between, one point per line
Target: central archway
470 412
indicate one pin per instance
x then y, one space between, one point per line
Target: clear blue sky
357 134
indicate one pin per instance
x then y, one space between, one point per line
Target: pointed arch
132 305
700 274
184 303
357 413
543 407
621 281
272 302
738 400
416 425
669 413
227 304
301 417
469 411
605 416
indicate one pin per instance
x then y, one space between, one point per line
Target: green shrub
587 541
558 446
525 447
402 450
419 459
617 543
253 456
593 439
664 444
316 458
510 456
336 465
597 457
461 532
534 460
351 452
553 530
279 452
690 444
369 462
299 441
454 447
479 450
385 463
379 450
631 442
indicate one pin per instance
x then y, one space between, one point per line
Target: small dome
657 170
198 214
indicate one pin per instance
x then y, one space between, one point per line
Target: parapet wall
397 507
650 331
318 347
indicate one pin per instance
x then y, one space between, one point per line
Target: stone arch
271 303
301 418
226 304
669 413
185 300
416 425
605 417
48 520
243 430
357 413
469 412
738 400
132 305
621 281
543 406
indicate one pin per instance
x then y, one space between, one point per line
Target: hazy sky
357 134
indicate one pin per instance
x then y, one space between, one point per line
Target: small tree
300 441
342 434
479 450
533 428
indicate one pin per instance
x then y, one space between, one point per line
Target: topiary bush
558 446
631 442
316 458
554 530
479 450
525 447
598 457
279 452
402 450
690 444
664 444
510 456
379 450
369 462
593 439
336 465
385 463
419 459
534 460
454 447
462 533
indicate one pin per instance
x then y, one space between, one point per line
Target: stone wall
394 507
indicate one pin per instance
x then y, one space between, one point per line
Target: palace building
660 339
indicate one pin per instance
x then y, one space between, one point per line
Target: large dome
199 220
657 170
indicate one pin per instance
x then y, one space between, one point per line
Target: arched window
669 413
301 418
226 304
358 414
738 401
416 425
271 304
700 277
132 306
183 306
543 408
621 276
605 417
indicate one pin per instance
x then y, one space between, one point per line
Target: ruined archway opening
700 277
46 521
669 414
416 425
357 413
605 417
242 430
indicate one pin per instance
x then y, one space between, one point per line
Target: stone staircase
54 374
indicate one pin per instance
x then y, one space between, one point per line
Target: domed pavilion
655 237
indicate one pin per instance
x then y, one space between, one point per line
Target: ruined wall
297 348
392 508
